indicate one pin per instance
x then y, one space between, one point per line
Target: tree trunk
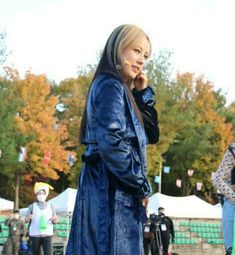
17 186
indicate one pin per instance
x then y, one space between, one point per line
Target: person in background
41 216
166 229
224 182
16 233
119 120
152 236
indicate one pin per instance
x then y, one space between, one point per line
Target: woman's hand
141 81
145 202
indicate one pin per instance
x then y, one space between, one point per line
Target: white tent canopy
6 204
184 207
64 202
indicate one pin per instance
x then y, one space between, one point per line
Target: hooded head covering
42 186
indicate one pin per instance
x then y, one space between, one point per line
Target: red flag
47 158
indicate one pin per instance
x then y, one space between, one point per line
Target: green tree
170 117
203 137
46 155
229 114
72 99
10 137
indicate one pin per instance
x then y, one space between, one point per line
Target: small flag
190 172
22 154
199 185
178 183
47 158
71 159
166 169
157 179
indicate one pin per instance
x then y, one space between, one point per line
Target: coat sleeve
222 176
120 157
145 102
172 228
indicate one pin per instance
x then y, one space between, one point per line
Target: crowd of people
157 231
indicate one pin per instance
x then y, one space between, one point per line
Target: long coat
108 213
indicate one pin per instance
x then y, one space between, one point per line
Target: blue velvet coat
108 214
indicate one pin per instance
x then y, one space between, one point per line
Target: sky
55 37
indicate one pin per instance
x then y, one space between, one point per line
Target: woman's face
133 59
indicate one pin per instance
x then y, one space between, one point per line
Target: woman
113 188
42 216
224 181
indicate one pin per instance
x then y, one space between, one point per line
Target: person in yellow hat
41 216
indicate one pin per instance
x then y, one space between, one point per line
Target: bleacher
4 233
191 236
198 236
62 228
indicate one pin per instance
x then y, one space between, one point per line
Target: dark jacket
169 231
108 209
16 227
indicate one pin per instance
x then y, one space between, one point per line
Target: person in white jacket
41 216
224 181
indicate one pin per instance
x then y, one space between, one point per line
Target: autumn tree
72 99
170 117
10 138
203 138
46 155
229 114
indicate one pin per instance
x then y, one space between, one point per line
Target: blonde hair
131 34
122 37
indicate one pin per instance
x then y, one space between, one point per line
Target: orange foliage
37 117
205 103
